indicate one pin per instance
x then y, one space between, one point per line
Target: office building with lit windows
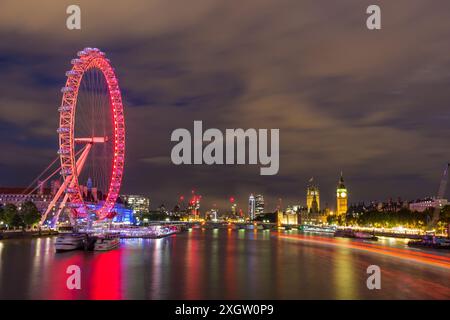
139 204
259 205
251 207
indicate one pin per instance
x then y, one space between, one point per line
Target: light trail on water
404 254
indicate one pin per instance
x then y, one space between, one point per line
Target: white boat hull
67 247
68 242
106 244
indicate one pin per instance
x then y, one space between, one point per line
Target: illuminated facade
424 204
251 207
341 197
139 204
194 206
259 204
122 214
287 218
312 197
213 214
42 197
18 196
233 209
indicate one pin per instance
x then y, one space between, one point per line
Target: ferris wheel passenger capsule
71 73
63 151
65 172
66 89
75 61
63 129
64 108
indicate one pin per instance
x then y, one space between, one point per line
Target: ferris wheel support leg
55 199
80 163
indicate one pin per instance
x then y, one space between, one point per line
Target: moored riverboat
349 233
106 243
69 242
431 241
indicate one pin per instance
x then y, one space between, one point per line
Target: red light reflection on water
105 276
193 270
59 290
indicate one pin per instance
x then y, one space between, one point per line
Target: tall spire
341 184
312 195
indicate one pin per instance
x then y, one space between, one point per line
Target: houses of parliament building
313 211
312 214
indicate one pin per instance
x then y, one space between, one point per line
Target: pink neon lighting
91 58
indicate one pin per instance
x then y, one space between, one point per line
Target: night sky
374 104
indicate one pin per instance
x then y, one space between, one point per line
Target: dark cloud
373 104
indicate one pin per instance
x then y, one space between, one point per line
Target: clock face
343 194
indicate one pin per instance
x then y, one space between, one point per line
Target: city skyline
270 206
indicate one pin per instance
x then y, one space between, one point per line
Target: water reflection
214 267
105 275
213 264
344 274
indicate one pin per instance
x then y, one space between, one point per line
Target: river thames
226 264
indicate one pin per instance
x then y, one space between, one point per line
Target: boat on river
349 233
69 242
106 243
431 241
321 229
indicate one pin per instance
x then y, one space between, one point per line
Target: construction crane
441 193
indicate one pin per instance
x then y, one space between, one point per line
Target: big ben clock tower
341 197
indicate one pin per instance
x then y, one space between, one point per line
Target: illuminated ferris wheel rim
90 58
